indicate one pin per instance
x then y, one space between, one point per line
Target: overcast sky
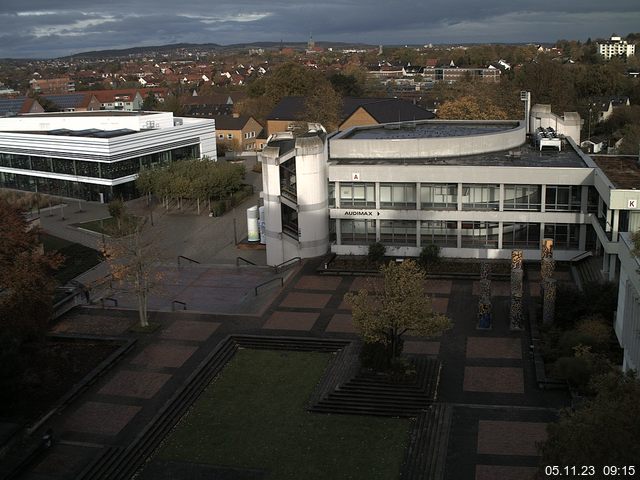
51 28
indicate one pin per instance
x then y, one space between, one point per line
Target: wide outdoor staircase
426 454
370 393
587 270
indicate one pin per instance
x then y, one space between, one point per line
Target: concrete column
459 202
584 199
337 194
543 199
377 194
600 203
582 237
608 225
418 197
500 235
615 226
501 201
613 259
459 239
418 237
338 232
377 229
541 235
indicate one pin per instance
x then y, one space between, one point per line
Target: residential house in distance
237 132
355 112
14 106
127 100
74 102
616 47
606 105
52 86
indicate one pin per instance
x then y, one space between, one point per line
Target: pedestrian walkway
499 414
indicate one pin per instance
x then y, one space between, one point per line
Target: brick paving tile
498 289
494 347
442 287
344 305
190 330
493 380
421 347
291 321
502 472
162 355
135 384
306 300
341 322
313 282
510 438
100 418
440 304
365 282
93 325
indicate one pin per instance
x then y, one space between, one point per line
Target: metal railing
267 283
283 265
173 305
248 262
186 258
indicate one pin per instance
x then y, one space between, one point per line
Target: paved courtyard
499 414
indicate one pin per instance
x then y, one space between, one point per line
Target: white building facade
616 47
95 155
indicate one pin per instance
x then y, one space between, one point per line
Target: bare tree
132 260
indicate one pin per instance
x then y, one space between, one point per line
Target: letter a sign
632 203
355 176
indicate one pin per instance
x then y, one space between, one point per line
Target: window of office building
398 195
12 160
120 169
522 197
480 197
439 232
357 232
87 169
331 190
42 164
592 199
520 235
357 195
563 197
63 166
289 221
564 235
288 179
439 196
480 234
398 232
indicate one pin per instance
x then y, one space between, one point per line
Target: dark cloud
47 28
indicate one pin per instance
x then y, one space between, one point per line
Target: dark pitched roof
70 100
229 122
289 108
12 106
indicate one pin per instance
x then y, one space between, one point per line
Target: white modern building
477 189
616 47
95 155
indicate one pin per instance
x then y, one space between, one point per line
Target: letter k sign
632 204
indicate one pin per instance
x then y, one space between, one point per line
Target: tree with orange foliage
471 108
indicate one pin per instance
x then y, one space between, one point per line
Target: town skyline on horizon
69 27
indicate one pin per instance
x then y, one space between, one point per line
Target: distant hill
206 46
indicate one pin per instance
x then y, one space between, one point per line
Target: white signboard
632 203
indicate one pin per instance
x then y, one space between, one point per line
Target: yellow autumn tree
471 108
388 310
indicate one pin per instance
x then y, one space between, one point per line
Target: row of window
82 168
444 196
445 233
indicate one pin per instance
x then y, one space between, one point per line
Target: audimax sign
361 213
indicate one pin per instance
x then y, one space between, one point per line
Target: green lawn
109 226
78 258
253 416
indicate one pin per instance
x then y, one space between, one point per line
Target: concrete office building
95 155
616 47
477 189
